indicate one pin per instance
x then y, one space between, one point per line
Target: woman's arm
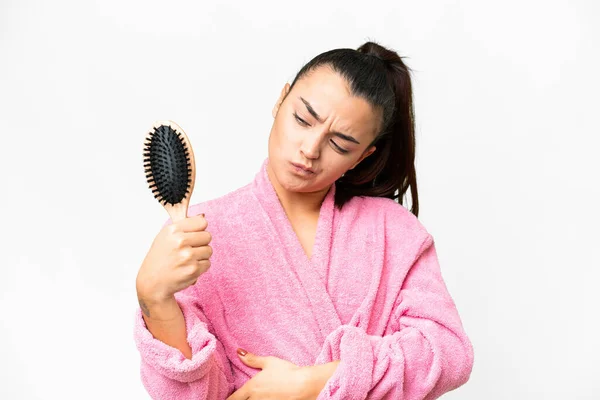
166 323
428 354
168 373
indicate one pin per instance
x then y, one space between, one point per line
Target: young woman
331 286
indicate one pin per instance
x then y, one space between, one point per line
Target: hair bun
376 50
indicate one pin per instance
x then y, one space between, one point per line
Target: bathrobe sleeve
425 354
167 374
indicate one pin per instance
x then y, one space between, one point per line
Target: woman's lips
302 170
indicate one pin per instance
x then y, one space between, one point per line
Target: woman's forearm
166 323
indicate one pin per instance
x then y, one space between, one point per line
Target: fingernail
242 352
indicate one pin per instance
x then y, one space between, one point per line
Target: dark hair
378 75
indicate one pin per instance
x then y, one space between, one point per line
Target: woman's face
319 125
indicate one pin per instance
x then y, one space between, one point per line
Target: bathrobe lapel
311 273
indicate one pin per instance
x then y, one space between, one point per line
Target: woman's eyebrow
318 118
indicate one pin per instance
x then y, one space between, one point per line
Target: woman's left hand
279 379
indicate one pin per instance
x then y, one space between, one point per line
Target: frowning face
320 131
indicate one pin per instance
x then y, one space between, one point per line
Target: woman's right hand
178 256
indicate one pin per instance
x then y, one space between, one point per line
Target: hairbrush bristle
167 165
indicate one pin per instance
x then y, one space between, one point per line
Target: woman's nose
311 145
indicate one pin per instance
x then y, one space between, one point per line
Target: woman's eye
300 120
304 123
338 148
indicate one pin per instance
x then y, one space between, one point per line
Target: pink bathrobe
371 296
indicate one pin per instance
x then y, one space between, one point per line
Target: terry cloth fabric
371 295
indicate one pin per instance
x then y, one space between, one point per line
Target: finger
191 272
242 393
196 239
194 223
254 361
189 255
201 253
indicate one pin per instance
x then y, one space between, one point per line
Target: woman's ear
284 92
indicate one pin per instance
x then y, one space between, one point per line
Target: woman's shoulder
230 204
393 216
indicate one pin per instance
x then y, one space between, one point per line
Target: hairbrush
170 167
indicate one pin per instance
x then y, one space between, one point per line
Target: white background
506 102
